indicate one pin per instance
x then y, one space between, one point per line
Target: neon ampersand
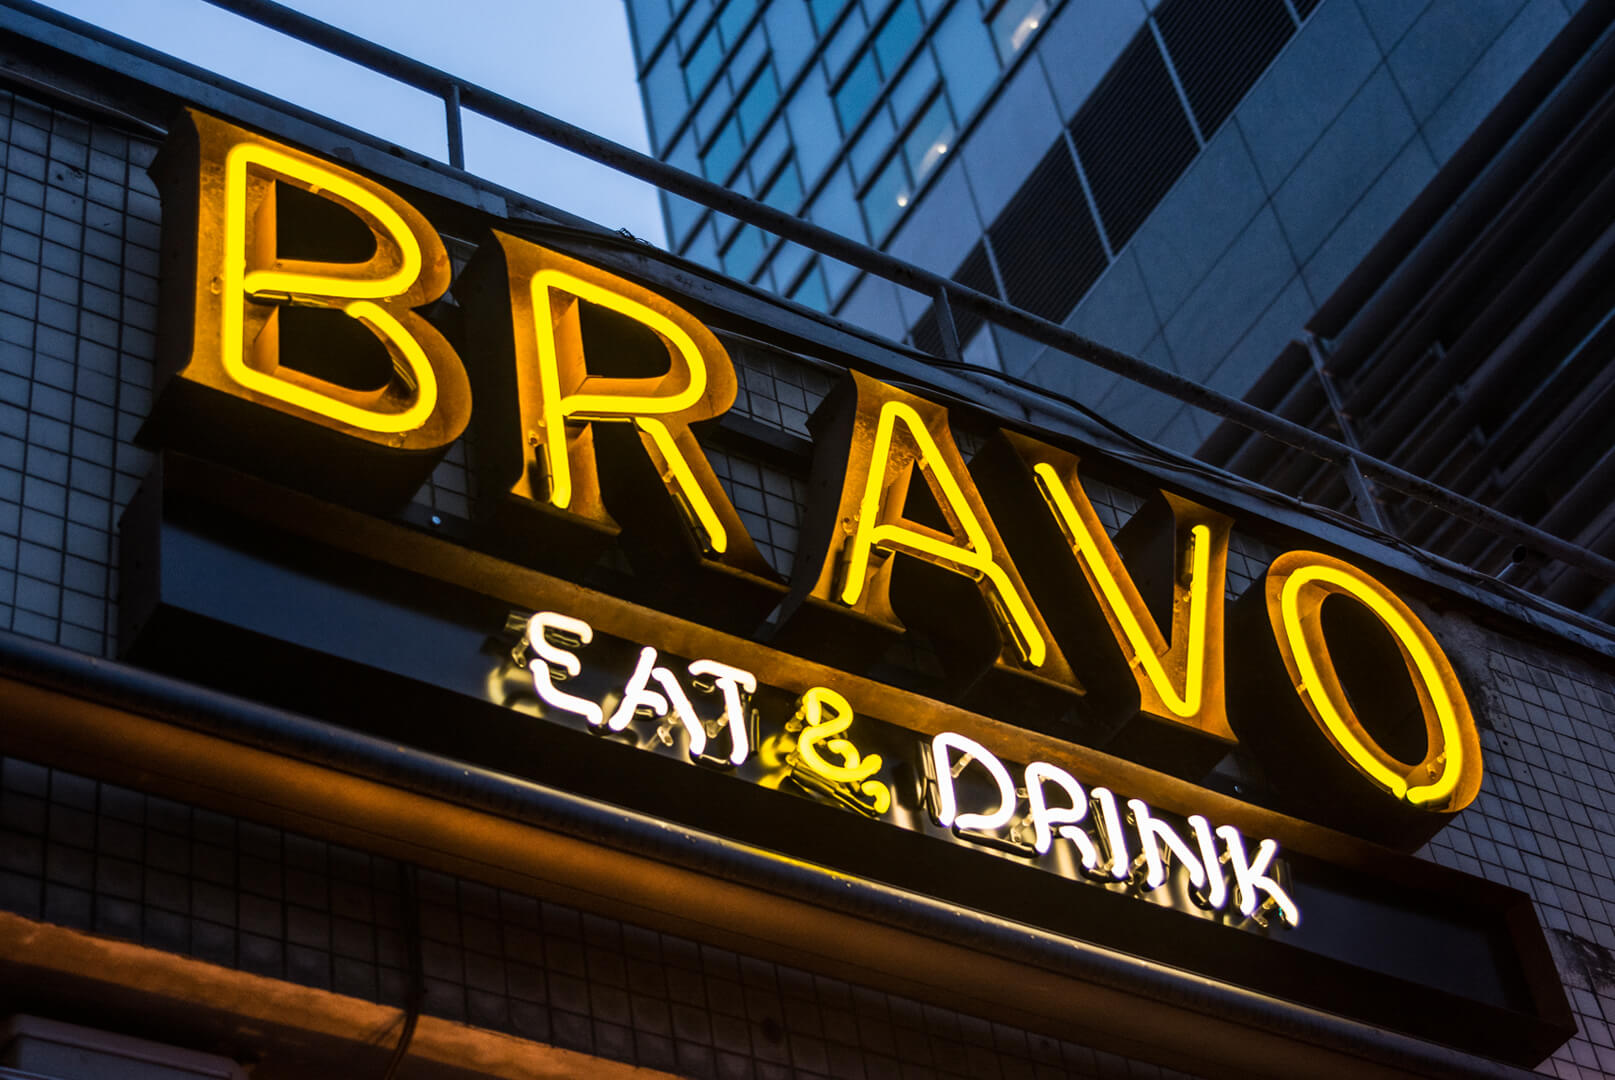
855 769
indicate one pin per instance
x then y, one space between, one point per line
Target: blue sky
570 58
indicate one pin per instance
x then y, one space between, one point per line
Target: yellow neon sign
245 290
1449 774
827 715
975 558
234 354
1180 679
558 397
1123 604
556 406
352 289
676 471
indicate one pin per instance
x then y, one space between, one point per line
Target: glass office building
1199 185
1182 180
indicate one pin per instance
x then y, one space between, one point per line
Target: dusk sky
570 58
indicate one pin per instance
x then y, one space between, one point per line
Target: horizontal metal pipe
196 708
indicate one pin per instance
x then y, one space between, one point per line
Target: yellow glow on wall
1449 775
1180 680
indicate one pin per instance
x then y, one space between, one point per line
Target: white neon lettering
1251 876
948 815
1215 891
1046 818
679 705
1103 847
546 654
638 694
730 681
1153 834
1115 841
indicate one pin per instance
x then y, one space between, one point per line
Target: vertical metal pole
1362 491
451 106
946 329
1362 494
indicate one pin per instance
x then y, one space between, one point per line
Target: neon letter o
1448 777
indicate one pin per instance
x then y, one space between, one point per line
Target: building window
810 291
1048 250
897 35
924 147
650 19
1014 24
974 273
869 149
734 17
880 60
702 63
836 205
914 87
811 114
704 58
825 12
843 44
857 91
666 102
758 104
785 191
887 197
681 213
1220 53
966 55
929 140
1133 138
745 252
703 246
694 20
766 154
724 152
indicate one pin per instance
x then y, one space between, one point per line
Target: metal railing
459 94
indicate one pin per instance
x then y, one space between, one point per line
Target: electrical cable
416 995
